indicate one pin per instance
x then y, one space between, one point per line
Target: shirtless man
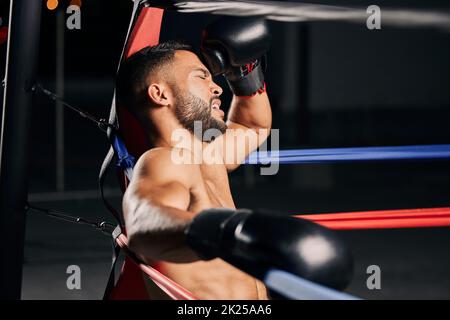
168 88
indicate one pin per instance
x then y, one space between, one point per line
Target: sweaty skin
164 196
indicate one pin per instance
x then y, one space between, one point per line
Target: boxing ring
128 143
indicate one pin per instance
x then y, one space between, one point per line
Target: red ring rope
383 219
170 287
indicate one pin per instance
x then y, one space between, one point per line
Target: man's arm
250 120
235 48
155 207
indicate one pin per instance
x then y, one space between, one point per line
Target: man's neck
176 138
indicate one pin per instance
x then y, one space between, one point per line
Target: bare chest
212 189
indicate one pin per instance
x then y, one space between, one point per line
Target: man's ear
159 94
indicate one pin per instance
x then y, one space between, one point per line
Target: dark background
330 84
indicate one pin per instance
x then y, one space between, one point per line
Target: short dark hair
131 80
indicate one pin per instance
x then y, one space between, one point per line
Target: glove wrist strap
248 84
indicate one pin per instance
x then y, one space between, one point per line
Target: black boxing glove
256 241
236 47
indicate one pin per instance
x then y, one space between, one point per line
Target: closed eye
201 73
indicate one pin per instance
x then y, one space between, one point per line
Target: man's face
196 96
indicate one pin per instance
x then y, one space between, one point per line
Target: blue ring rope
330 155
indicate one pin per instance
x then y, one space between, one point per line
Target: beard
189 109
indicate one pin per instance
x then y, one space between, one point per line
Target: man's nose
216 90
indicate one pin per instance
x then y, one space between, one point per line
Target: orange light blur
52 4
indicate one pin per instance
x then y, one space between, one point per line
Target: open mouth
215 105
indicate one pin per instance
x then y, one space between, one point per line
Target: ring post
21 64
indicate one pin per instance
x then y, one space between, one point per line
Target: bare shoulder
160 179
167 164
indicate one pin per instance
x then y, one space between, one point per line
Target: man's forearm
254 113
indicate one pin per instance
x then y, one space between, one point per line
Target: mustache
212 99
